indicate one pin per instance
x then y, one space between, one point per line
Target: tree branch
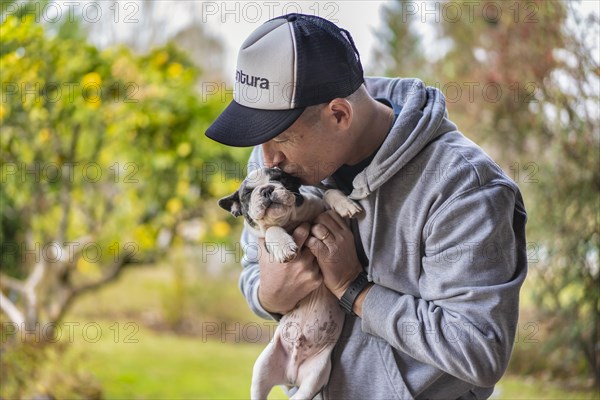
66 188
11 310
67 261
31 284
7 282
113 273
66 297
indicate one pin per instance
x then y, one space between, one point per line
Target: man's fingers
316 246
331 220
301 233
338 219
322 233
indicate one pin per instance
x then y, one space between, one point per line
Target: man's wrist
352 292
357 308
265 306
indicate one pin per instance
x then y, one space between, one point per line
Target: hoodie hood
422 119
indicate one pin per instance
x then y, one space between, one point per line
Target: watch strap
356 287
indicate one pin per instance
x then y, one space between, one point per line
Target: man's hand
332 243
283 285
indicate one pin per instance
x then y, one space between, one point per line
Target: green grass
519 388
161 366
166 366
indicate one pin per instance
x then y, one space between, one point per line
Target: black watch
356 287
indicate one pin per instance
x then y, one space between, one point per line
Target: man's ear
342 110
232 204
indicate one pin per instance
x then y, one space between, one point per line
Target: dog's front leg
280 244
341 204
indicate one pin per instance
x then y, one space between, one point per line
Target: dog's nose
267 191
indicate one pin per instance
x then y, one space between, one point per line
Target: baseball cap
285 65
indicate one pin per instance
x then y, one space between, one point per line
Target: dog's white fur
280 215
299 354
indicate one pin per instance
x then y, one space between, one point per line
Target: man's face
307 152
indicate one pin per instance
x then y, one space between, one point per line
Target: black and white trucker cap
287 64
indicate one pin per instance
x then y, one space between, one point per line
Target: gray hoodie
444 232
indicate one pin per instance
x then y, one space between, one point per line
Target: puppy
299 354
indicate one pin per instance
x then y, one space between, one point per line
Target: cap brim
242 126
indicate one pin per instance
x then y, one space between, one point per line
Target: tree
177 22
521 78
402 52
103 155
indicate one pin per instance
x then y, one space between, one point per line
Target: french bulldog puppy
299 354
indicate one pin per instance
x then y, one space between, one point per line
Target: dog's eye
247 192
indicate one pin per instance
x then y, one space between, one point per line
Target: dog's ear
232 204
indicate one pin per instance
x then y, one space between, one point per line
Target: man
442 237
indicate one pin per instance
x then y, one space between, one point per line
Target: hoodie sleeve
474 263
250 276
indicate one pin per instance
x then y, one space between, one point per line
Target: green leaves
104 143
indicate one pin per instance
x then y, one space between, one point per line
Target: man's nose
272 156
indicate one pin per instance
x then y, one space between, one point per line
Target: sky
360 18
233 20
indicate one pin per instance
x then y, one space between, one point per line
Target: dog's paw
282 252
346 208
341 204
280 244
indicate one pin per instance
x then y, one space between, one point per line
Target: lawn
518 388
132 359
164 365
167 366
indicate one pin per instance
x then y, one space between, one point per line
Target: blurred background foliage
104 160
105 167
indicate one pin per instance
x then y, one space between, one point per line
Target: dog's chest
313 325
